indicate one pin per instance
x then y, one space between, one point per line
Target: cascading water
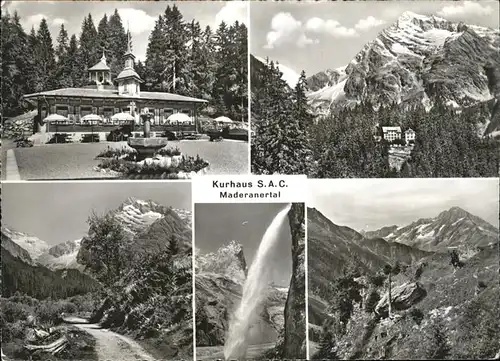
254 291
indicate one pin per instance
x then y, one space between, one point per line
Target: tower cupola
128 80
100 73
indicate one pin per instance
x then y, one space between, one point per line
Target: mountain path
111 346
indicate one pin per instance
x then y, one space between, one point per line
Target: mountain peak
456 212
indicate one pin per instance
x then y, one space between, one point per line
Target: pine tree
16 60
63 70
103 35
117 37
46 62
88 50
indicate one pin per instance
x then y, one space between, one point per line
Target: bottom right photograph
403 269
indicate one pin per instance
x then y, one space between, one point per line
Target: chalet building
409 135
106 97
391 133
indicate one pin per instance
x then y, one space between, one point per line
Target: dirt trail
111 346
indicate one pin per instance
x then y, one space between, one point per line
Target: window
84 110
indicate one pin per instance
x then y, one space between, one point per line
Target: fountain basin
146 147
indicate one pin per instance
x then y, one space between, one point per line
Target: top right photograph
375 89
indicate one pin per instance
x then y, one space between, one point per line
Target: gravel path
76 161
111 346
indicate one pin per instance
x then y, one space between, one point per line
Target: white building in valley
391 133
409 135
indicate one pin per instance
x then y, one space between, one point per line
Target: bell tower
128 80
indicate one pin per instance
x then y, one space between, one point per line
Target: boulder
403 297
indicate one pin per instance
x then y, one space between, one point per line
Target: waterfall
254 291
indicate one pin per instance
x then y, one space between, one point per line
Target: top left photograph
124 90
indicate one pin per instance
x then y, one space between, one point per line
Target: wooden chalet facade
106 99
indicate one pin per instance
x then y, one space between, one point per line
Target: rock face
228 261
15 250
34 245
415 60
403 297
219 285
294 344
20 125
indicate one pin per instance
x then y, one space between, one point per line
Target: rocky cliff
416 60
294 343
219 283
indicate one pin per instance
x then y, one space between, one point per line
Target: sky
370 204
218 224
139 15
57 211
315 36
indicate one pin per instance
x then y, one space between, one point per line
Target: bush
372 301
169 152
14 311
417 315
90 138
50 311
110 152
377 279
58 138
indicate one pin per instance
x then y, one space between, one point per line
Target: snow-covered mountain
453 228
135 215
289 75
33 245
62 255
414 60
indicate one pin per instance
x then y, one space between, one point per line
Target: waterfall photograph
96 271
403 269
250 281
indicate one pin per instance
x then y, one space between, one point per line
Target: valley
385 293
435 78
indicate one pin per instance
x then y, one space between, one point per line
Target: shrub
417 315
377 279
372 301
14 311
169 152
50 311
90 138
59 138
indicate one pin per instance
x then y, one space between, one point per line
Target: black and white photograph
403 269
375 89
97 271
124 89
250 281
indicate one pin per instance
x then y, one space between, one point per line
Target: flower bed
122 153
154 168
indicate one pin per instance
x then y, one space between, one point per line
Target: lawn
76 161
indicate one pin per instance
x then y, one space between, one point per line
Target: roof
128 73
409 130
113 94
100 66
388 129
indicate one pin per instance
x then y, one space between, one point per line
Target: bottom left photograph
97 271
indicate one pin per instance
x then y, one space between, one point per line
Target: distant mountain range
414 60
427 280
134 214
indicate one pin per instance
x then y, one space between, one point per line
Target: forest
291 140
181 58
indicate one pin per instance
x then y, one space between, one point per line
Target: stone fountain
146 146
